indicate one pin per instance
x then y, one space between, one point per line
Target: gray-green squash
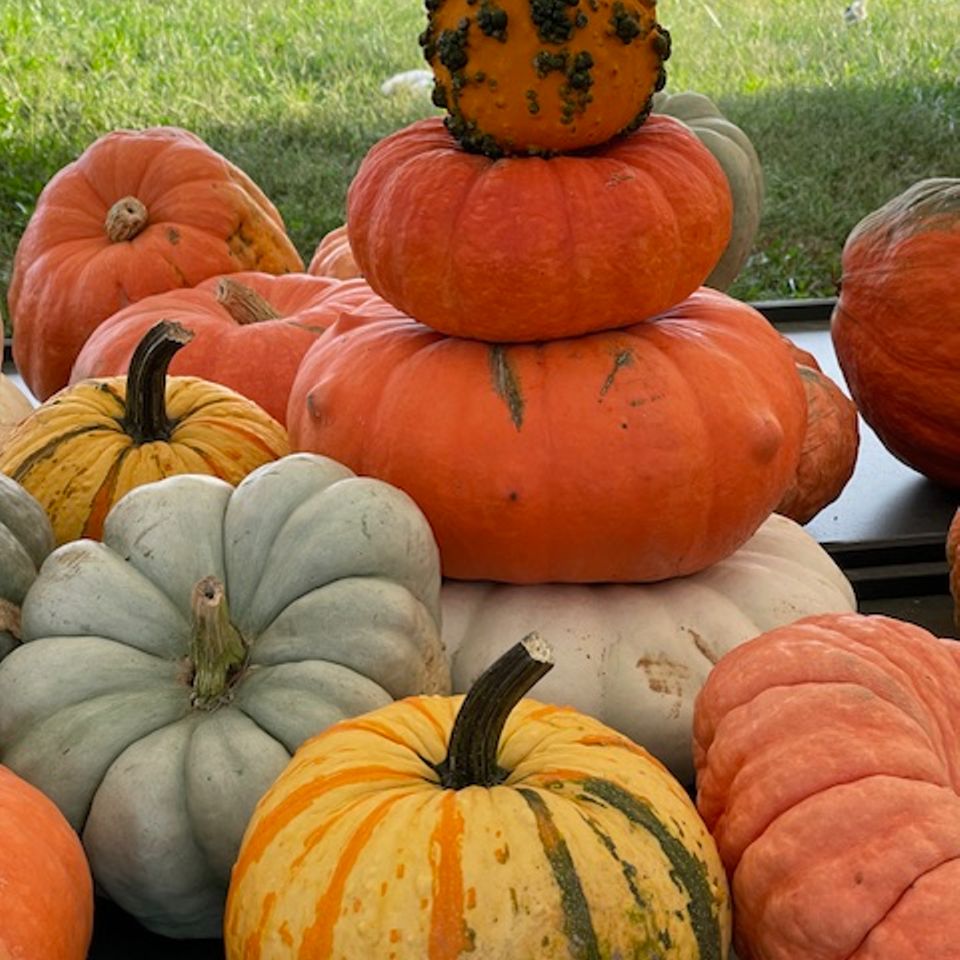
732 149
26 538
167 674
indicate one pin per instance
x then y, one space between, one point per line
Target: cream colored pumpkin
732 149
14 406
634 656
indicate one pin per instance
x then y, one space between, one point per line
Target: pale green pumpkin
168 673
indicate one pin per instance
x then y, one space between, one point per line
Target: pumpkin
238 322
629 455
167 674
83 449
137 213
490 825
830 445
953 563
828 769
14 406
530 78
333 256
527 248
635 655
46 911
896 325
741 165
26 538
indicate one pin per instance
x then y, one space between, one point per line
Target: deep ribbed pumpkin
553 75
831 443
630 455
139 212
444 827
896 325
250 330
85 447
828 756
531 249
46 910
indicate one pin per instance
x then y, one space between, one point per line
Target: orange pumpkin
828 772
527 248
830 443
953 562
636 454
521 77
46 907
896 325
333 256
239 322
138 213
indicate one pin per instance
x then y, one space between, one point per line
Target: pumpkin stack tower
557 390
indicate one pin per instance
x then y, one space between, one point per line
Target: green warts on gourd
218 653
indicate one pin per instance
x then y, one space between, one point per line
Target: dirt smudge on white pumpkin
663 675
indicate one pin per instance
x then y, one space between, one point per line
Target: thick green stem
472 754
146 417
217 649
243 303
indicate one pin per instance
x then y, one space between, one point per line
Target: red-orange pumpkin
636 454
333 256
828 758
896 325
251 331
830 443
953 561
528 248
138 213
46 894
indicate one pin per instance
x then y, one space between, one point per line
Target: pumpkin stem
243 304
472 754
146 417
10 619
125 219
216 648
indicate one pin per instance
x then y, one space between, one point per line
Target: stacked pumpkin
582 422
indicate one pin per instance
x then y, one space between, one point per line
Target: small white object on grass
855 12
412 80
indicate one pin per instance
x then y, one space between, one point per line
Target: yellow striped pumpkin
509 829
91 443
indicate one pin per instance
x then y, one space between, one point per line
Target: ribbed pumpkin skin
74 455
741 165
46 911
14 406
205 217
26 538
333 256
531 249
631 455
896 325
634 655
257 359
588 849
520 77
828 756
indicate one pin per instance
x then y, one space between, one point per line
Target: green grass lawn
843 117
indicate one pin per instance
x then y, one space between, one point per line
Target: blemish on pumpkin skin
173 235
506 383
623 359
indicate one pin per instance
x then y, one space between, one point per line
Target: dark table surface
886 530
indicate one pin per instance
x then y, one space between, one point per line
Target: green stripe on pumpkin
577 922
687 871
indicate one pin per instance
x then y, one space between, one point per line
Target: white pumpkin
635 655
14 406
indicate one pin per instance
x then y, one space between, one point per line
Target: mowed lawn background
843 117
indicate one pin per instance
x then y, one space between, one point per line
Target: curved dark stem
472 753
146 417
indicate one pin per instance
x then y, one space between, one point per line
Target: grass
843 117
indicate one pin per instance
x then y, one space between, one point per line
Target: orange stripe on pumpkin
448 928
297 803
317 942
416 703
251 946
